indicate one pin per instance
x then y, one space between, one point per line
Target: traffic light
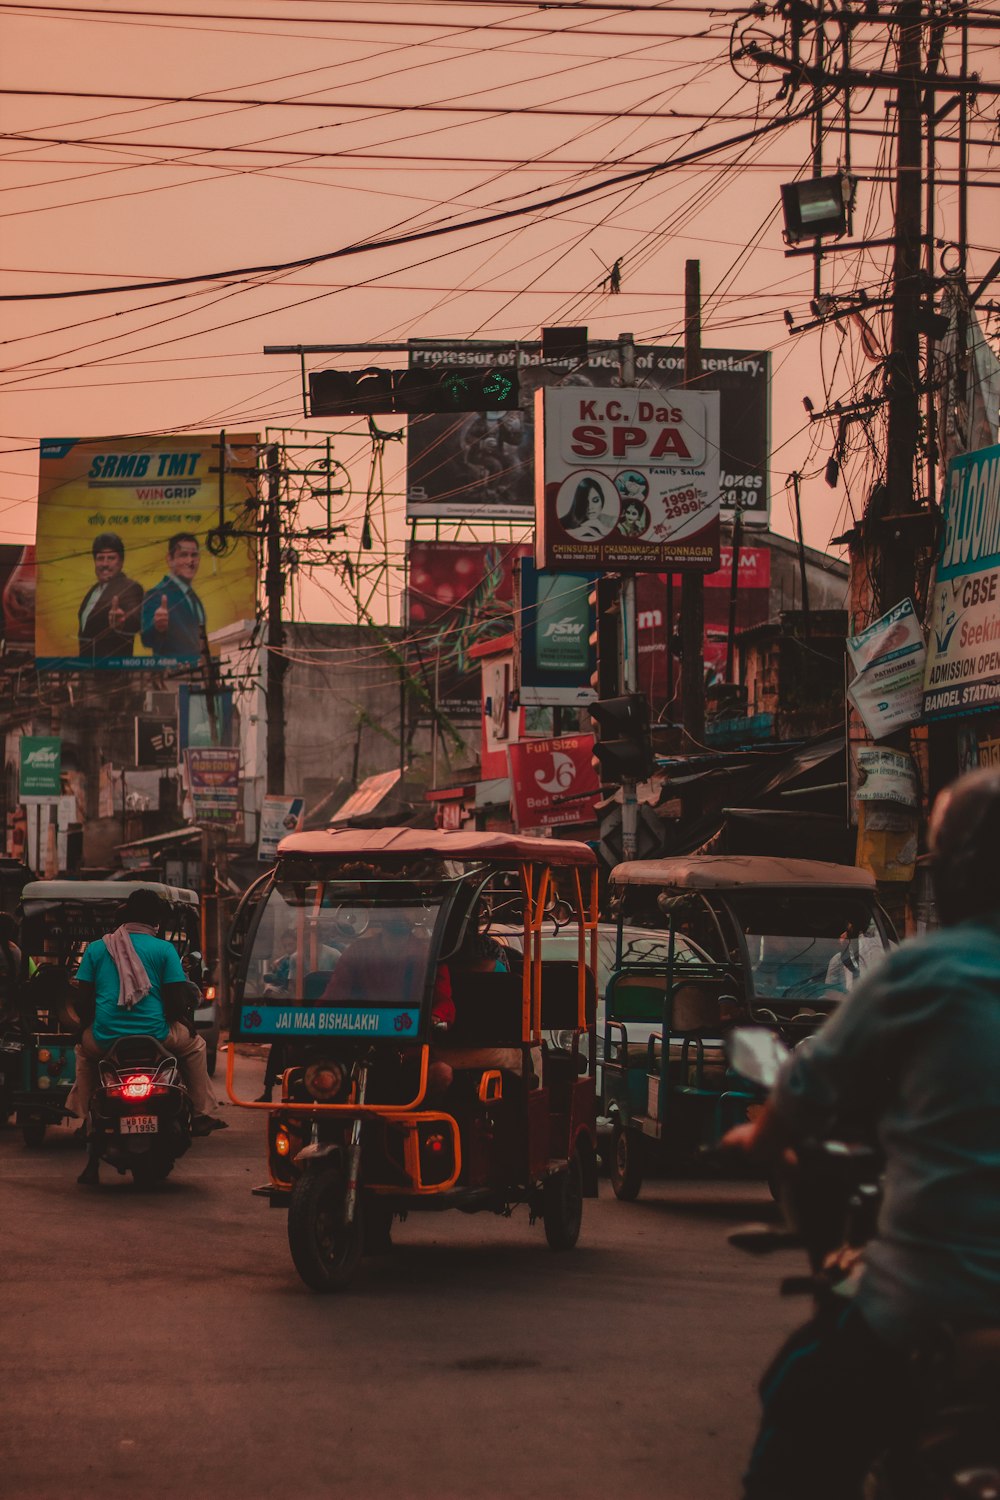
622 746
605 639
376 392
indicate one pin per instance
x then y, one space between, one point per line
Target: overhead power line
434 232
433 109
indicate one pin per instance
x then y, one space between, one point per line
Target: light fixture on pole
817 207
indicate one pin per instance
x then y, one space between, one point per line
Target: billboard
459 594
625 482
481 465
753 600
127 577
553 782
553 625
963 655
17 598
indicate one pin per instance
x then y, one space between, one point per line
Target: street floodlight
816 207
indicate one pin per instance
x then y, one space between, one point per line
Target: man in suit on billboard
173 617
109 611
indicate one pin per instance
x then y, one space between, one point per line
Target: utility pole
629 642
692 584
277 663
897 573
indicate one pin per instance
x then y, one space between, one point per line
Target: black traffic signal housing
622 746
376 392
605 639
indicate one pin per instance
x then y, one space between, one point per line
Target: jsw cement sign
41 767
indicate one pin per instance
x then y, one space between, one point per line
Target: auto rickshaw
392 1101
749 940
58 919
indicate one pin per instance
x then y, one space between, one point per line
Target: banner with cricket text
132 570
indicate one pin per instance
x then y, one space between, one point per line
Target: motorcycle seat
136 1051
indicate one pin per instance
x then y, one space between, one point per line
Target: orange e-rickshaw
417 1068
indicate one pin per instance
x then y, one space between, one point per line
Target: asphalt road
160 1344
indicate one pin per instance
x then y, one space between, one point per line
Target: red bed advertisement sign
553 781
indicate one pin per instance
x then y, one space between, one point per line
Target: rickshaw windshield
345 942
807 946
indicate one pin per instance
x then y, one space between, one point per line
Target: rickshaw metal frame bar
290 1106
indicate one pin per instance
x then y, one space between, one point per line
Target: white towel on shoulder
134 982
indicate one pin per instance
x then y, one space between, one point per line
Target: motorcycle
830 1199
140 1116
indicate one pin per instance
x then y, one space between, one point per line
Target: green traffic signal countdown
374 392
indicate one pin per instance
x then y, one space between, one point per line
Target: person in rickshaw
131 982
478 954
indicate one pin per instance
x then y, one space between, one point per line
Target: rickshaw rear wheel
626 1163
33 1133
562 1205
325 1250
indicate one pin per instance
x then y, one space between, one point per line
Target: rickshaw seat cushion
487 1010
560 996
695 1007
635 997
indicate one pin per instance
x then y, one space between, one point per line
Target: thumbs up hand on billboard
116 615
162 617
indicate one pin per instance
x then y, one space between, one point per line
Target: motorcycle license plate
139 1124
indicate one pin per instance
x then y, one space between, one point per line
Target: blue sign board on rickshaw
263 1021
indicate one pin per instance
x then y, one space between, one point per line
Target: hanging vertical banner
963 657
626 480
553 624
133 570
40 768
214 782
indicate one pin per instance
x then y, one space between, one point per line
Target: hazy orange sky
364 120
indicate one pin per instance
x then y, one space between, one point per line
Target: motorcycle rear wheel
149 1170
325 1250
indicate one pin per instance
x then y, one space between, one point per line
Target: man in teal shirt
131 980
912 1056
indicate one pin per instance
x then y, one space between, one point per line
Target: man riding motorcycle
132 982
912 1057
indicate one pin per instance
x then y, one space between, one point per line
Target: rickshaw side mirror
756 1054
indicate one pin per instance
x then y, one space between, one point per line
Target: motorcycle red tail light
138 1086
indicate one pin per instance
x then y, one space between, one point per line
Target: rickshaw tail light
282 1143
209 993
437 1153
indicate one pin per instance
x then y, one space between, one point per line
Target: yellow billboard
136 566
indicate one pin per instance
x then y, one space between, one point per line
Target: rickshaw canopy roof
100 892
715 872
434 843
